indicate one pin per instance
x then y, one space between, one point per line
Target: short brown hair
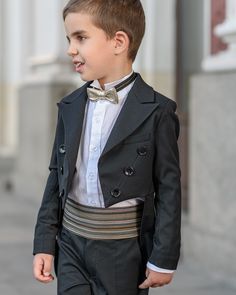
112 16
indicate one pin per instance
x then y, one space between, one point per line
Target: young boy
110 214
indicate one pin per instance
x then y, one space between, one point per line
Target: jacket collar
143 92
138 106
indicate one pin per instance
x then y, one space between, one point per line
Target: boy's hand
43 267
156 279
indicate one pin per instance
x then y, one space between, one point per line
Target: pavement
17 219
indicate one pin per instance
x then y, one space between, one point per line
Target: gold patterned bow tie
97 94
111 95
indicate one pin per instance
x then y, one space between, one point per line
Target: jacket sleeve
47 221
166 240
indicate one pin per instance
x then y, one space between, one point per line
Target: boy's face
91 51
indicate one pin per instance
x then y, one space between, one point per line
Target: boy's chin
86 78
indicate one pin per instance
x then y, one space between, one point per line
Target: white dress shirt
99 119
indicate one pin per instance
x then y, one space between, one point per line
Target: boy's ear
121 42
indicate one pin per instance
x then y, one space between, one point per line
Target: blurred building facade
188 54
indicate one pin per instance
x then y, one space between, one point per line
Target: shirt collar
110 85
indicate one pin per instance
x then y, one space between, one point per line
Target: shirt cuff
158 269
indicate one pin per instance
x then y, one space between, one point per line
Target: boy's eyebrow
76 33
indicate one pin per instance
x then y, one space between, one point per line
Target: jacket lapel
138 106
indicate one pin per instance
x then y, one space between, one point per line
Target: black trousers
98 267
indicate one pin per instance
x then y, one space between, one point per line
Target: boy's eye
81 38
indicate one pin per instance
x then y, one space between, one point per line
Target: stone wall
212 206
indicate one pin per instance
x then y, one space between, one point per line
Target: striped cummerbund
102 223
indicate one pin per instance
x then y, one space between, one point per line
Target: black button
142 151
115 193
61 193
62 170
129 171
62 149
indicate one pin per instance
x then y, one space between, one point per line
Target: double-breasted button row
62 149
116 193
61 170
61 194
142 151
129 171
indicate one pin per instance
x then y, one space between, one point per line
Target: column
1 73
9 72
156 57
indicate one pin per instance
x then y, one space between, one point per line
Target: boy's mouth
78 66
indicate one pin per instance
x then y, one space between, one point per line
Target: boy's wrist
45 246
158 269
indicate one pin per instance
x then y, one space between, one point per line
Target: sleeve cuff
158 269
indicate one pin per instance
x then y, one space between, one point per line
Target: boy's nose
72 50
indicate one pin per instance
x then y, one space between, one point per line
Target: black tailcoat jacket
140 159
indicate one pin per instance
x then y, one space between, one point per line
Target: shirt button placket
94 152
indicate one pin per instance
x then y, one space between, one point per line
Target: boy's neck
116 75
